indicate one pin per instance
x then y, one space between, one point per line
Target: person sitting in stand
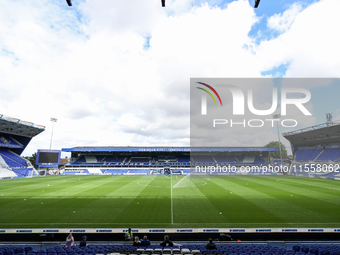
136 242
167 242
69 240
210 245
83 242
145 241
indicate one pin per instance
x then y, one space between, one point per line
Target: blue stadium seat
324 252
9 252
313 251
300 253
296 248
19 250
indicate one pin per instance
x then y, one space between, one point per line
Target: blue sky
117 73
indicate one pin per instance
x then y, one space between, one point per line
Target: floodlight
69 2
329 117
163 3
278 116
53 121
257 2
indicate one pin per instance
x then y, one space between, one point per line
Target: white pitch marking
180 180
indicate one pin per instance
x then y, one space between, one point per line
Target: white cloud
283 21
87 65
309 44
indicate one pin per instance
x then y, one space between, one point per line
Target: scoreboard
48 158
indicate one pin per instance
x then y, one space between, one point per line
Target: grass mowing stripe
275 201
241 204
150 205
300 207
31 181
293 186
191 205
172 207
84 201
309 184
111 201
315 192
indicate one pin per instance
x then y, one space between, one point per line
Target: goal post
42 172
29 173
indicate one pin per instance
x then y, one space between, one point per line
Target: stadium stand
9 142
183 159
91 159
203 159
329 155
21 172
15 135
116 171
71 172
194 248
306 154
176 171
316 151
112 159
225 159
248 159
12 160
259 160
239 158
139 171
80 160
92 171
160 160
186 171
5 172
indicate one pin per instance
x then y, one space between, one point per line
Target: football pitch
105 201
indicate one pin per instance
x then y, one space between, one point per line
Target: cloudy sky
117 72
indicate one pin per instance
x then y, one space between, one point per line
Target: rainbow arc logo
209 93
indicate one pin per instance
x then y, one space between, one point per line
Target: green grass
150 202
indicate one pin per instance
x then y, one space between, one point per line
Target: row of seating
181 250
11 250
317 154
317 249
